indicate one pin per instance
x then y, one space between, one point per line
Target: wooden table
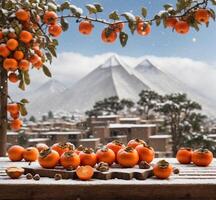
195 183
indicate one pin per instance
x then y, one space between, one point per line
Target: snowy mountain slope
41 98
165 83
113 78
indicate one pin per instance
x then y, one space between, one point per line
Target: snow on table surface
189 174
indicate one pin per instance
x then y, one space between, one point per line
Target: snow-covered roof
160 136
107 116
89 139
132 125
129 119
61 133
38 139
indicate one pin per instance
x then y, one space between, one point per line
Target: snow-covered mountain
41 98
113 78
165 83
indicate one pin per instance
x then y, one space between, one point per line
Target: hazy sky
161 42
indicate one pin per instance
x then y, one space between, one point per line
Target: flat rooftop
132 125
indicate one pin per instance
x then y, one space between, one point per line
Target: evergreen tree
148 102
180 117
32 119
50 115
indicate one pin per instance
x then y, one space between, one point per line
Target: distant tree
44 118
148 102
107 106
180 117
50 115
22 138
32 119
127 104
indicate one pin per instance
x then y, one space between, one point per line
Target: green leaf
99 7
132 26
212 13
114 15
91 8
64 24
144 12
49 57
26 78
157 20
123 38
213 2
47 71
65 5
76 11
22 85
129 16
24 101
23 110
167 6
52 50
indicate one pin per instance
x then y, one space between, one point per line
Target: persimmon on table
191 183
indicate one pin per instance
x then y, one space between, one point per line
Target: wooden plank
114 172
108 192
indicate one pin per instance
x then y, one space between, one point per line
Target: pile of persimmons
83 160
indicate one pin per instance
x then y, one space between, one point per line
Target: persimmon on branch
28 32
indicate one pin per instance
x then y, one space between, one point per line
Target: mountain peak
146 65
112 61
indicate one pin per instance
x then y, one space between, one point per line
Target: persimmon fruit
127 157
143 28
85 172
202 15
48 158
117 26
15 115
70 160
30 154
10 64
86 27
25 36
24 65
108 35
202 157
135 142
60 148
41 146
146 153
13 107
12 44
184 155
162 170
18 55
50 17
22 15
4 51
115 146
15 153
171 22
182 27
88 157
16 124
55 30
14 172
105 155
13 78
